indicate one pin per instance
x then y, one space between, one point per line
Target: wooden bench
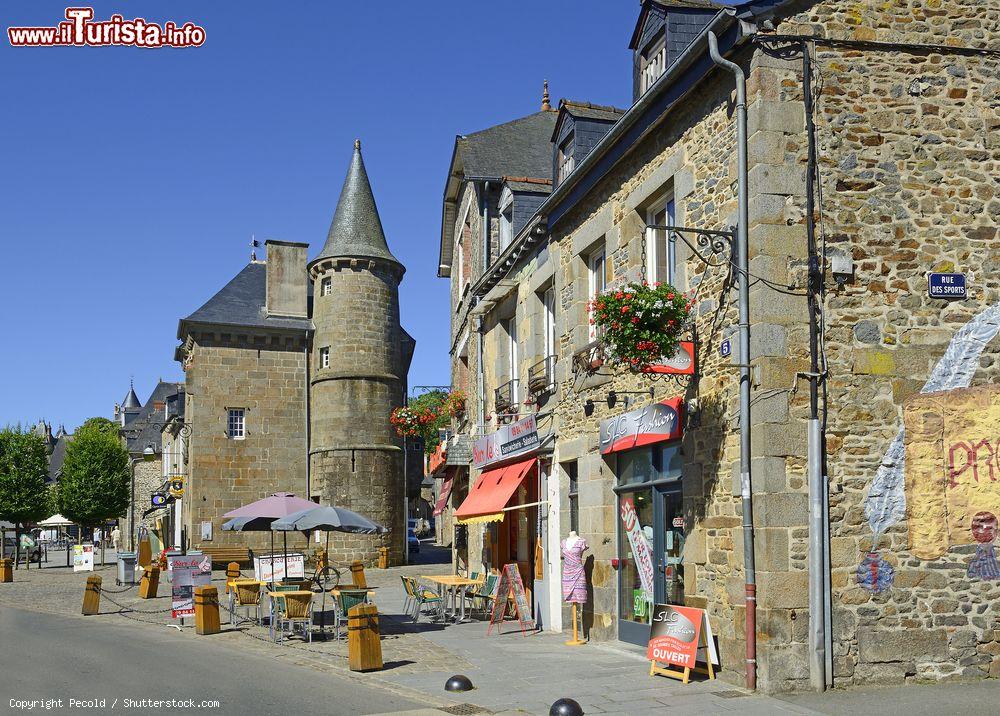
225 555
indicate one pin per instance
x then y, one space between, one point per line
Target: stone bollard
206 610
6 570
92 596
383 557
150 581
364 649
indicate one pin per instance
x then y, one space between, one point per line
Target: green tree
94 484
102 424
24 494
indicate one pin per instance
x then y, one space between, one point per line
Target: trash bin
126 568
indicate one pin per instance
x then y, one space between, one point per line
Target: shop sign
681 363
946 285
186 573
642 426
641 552
277 567
83 557
678 634
158 499
509 441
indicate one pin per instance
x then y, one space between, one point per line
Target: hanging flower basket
409 422
454 404
641 324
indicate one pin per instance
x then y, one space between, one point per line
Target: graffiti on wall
886 502
952 476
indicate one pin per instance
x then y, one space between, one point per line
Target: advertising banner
641 552
83 557
275 567
675 635
189 571
643 426
509 441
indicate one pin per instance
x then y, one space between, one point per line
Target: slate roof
131 400
517 148
57 457
591 111
356 229
459 451
241 303
146 428
521 184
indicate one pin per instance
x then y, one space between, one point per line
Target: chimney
287 280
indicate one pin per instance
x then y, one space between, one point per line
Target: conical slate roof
356 230
131 400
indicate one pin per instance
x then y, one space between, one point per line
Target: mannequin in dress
574 578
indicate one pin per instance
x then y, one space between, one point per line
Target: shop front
505 506
643 448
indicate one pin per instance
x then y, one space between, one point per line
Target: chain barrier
138 611
105 590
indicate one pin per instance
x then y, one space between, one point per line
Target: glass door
670 551
636 534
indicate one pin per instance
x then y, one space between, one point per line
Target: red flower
670 297
635 319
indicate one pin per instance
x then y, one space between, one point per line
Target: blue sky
132 179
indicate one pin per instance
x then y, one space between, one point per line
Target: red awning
492 492
445 493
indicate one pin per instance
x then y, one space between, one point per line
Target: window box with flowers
641 324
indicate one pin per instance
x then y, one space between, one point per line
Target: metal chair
487 593
297 609
279 602
246 593
232 573
408 594
421 597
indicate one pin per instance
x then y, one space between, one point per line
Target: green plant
454 403
24 495
641 324
94 484
424 416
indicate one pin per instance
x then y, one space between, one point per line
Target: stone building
292 370
886 229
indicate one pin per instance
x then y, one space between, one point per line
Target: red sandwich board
511 589
680 637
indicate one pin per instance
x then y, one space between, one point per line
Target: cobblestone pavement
512 673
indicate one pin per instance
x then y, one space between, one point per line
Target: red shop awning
492 492
442 501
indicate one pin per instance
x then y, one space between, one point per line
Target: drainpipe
305 355
820 672
743 268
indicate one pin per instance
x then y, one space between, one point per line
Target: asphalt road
45 656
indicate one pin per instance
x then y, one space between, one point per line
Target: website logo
81 30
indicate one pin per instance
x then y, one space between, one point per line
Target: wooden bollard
358 575
149 582
6 570
364 649
206 610
145 553
383 557
232 573
92 596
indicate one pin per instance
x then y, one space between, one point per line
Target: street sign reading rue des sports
946 285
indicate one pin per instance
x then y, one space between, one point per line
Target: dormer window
652 63
506 219
565 161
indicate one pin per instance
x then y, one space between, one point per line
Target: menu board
681 637
189 571
278 566
511 587
83 557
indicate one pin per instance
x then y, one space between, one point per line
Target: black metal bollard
566 707
459 683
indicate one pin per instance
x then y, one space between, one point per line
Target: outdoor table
271 597
453 583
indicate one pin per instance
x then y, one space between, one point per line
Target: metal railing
542 376
505 398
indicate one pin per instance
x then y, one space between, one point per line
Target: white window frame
324 357
326 286
514 359
652 63
549 321
236 425
566 158
506 218
597 281
657 240
460 255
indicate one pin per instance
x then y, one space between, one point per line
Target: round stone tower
358 373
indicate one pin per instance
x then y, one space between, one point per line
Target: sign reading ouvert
509 441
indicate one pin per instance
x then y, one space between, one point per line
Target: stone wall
268 379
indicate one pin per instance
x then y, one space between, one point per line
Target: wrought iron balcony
505 398
590 358
542 376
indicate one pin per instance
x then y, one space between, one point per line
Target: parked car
412 543
420 526
8 551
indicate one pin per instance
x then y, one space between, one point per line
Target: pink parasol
272 507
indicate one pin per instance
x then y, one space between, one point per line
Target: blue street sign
725 348
946 285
